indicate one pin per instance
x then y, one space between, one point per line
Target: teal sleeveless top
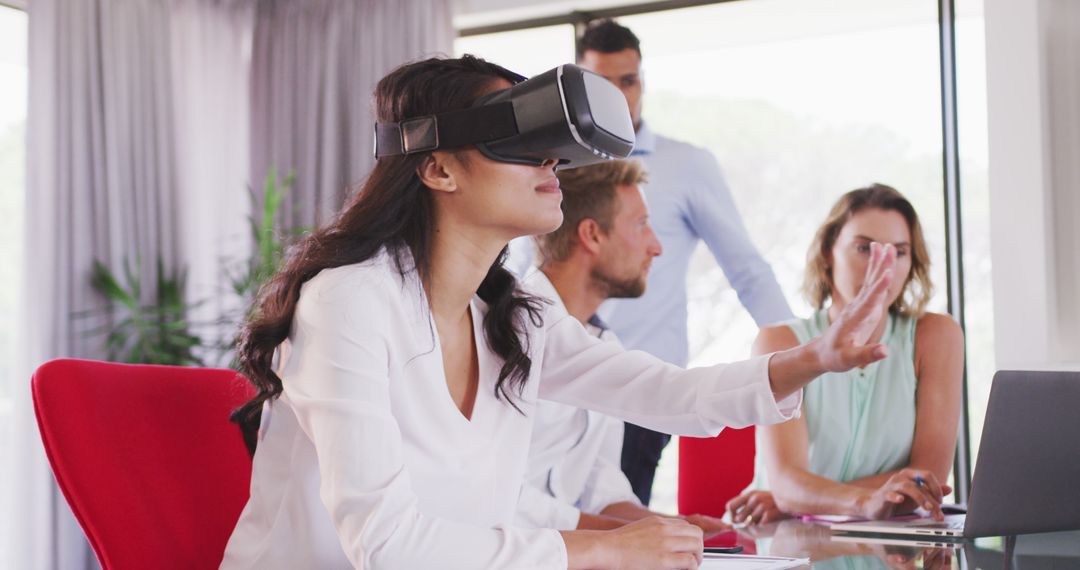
861 422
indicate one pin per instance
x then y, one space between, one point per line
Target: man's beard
615 288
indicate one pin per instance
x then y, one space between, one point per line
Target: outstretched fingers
878 278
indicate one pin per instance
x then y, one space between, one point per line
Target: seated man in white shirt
602 250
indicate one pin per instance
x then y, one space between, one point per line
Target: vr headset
569 114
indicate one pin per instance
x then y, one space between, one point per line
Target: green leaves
269 243
270 249
157 332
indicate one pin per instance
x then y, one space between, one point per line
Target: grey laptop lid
1027 477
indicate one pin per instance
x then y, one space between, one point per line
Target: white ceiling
833 14
471 13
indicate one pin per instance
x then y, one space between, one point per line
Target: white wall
470 13
1062 44
1033 95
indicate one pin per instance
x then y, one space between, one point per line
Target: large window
528 52
13 77
801 101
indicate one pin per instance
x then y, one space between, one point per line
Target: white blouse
575 454
365 461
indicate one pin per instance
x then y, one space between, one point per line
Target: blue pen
920 482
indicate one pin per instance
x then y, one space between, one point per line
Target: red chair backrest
146 457
714 470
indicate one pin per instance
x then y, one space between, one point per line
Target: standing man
603 250
688 200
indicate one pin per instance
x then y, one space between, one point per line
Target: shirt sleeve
713 216
606 485
611 448
537 509
583 371
337 383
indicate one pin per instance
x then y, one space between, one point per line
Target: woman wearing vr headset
397 363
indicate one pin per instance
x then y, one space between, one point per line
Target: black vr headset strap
446 130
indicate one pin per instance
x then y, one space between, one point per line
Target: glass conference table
797 539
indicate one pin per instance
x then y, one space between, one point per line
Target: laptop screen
1026 474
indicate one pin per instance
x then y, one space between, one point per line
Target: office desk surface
814 541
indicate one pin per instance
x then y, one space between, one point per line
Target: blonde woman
874 441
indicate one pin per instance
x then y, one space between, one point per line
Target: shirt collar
645 142
598 323
540 284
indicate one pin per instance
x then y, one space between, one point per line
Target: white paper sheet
750 562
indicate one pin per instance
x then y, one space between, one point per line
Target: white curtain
147 122
211 62
316 119
136 148
101 184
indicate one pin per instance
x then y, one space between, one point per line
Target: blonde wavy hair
818 283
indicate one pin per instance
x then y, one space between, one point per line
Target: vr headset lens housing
567 113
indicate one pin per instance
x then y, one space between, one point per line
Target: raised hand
845 345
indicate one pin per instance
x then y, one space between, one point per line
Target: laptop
1026 475
913 542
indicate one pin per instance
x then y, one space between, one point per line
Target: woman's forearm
627 511
791 369
602 521
803 492
585 549
873 481
876 481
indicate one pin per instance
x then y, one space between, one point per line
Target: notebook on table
750 562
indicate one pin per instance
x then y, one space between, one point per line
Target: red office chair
714 470
146 457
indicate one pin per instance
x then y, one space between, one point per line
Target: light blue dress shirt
688 200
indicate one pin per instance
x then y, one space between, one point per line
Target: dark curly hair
607 36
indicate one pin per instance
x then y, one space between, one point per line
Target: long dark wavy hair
395 210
